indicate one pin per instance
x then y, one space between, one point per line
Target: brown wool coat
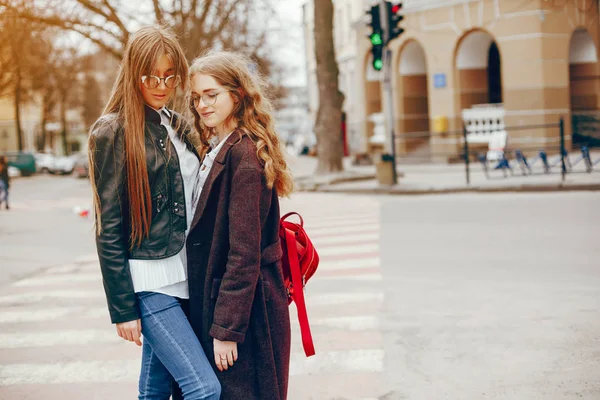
234 271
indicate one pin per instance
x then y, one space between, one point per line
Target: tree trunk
330 148
42 139
63 122
18 90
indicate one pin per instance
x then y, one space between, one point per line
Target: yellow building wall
533 39
8 136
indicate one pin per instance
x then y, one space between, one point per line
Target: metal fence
522 153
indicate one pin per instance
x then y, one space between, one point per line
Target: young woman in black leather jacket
143 171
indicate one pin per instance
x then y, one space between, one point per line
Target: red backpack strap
294 213
298 295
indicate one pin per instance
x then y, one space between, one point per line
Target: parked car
63 165
44 161
13 172
24 161
304 144
81 167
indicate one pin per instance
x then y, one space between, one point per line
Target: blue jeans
171 351
3 192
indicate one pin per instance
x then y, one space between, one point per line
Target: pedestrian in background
238 302
4 182
143 171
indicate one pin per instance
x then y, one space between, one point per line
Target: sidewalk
440 178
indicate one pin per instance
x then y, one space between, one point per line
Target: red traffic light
396 8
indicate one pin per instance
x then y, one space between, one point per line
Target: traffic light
394 17
376 37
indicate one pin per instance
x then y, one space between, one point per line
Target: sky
289 41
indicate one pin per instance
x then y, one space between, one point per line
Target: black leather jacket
167 231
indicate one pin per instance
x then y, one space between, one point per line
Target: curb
476 189
303 184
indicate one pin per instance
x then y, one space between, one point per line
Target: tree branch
158 12
73 25
205 9
117 21
224 20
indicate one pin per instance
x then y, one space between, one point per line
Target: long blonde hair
251 113
126 103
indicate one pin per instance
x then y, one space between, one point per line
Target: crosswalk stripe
376 277
62 269
335 240
348 250
74 372
328 299
362 360
352 323
70 337
347 215
323 223
87 258
36 297
44 314
63 278
333 231
358 263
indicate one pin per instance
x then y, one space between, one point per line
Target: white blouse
208 161
169 275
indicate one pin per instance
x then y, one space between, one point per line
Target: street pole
388 100
563 169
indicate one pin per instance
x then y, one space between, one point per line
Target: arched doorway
413 101
478 70
372 94
584 88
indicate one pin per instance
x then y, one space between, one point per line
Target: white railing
485 124
422 5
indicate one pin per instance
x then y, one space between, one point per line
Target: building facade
103 68
536 59
291 119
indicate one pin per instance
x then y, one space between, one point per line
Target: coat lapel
215 171
189 136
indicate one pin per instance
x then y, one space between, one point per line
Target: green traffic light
377 64
376 39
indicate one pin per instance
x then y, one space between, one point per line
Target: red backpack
300 262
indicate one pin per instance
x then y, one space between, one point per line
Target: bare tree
66 69
91 95
200 24
329 114
45 85
20 41
5 56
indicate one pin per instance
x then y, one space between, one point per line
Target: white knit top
169 275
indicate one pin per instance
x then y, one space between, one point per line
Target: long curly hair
251 113
126 104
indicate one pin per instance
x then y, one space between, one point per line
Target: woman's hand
225 354
131 331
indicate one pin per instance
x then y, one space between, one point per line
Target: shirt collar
154 115
216 145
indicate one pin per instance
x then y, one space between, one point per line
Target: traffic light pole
387 90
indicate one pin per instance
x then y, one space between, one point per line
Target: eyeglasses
152 82
208 99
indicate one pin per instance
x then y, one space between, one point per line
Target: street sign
439 81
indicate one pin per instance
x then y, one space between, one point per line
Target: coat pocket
266 287
158 203
216 285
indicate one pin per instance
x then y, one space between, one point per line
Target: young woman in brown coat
238 303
